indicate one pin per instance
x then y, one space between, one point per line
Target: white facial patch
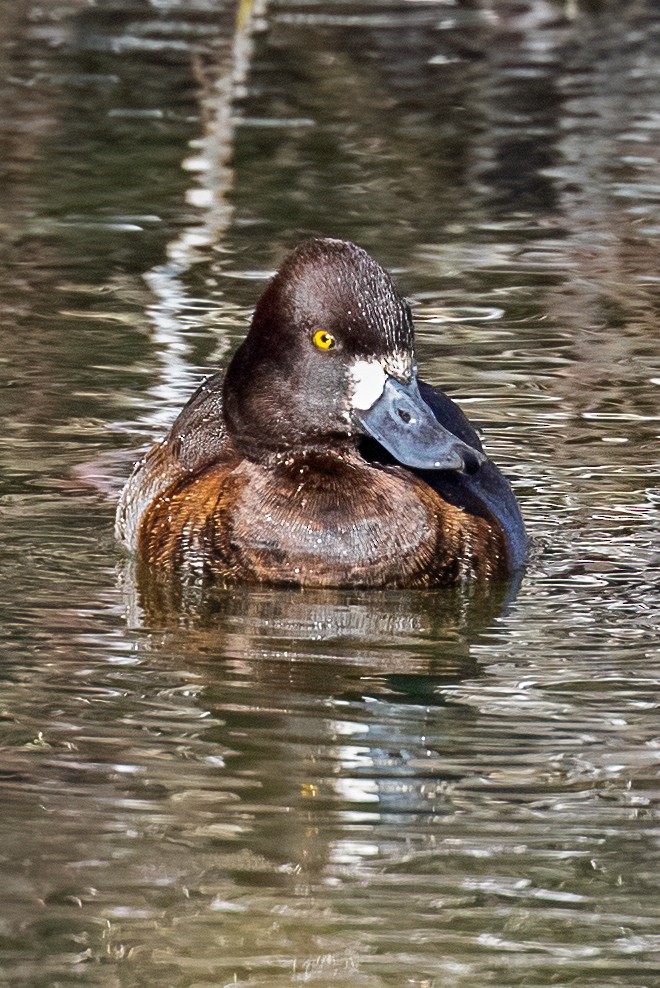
368 379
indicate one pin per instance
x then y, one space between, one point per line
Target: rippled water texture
377 789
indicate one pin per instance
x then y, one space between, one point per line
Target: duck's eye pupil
323 340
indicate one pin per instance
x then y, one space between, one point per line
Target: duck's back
197 439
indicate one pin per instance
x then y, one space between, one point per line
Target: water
281 788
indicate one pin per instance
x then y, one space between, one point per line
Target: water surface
276 787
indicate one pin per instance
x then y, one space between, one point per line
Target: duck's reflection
324 710
322 642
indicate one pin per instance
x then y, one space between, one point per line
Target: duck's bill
402 422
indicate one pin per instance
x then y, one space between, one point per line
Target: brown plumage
271 473
329 521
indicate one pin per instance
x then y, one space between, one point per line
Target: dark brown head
329 318
328 359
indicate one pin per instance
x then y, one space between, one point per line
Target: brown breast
329 520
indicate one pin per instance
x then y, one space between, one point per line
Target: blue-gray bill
402 422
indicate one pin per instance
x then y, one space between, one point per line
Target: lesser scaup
319 458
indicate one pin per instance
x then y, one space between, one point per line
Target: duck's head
330 358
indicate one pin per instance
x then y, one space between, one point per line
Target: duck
319 458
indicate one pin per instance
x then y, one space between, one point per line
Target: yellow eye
323 340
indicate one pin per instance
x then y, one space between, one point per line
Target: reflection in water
433 630
274 787
219 80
